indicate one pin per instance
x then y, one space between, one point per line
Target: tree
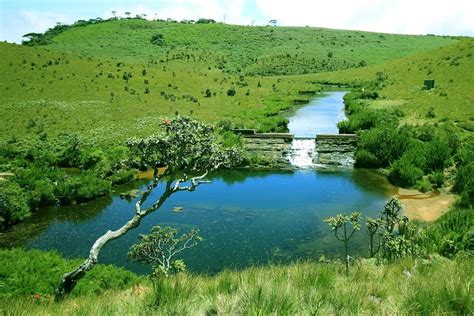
272 22
160 247
373 226
181 155
342 221
127 14
114 13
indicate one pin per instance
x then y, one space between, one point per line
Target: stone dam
285 150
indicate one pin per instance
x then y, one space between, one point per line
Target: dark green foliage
464 180
231 92
30 272
407 170
81 188
39 169
13 204
451 233
437 155
380 146
157 39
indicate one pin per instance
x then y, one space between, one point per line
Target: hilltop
247 50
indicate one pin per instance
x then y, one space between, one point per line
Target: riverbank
426 207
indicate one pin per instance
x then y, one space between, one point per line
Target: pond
245 217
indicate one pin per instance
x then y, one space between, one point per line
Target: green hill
108 81
401 83
250 50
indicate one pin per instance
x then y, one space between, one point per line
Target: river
245 217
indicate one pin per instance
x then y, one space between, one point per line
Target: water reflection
246 218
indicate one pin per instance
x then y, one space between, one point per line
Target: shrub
437 155
365 158
30 272
13 204
424 185
404 172
437 179
385 145
157 39
451 233
464 184
231 91
81 188
123 176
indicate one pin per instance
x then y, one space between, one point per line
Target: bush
13 204
123 176
404 173
30 272
437 179
437 155
157 39
81 188
464 184
231 91
365 158
451 233
424 185
385 145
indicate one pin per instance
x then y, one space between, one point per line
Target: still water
245 217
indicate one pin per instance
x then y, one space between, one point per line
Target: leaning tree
181 155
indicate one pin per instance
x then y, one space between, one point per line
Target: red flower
37 296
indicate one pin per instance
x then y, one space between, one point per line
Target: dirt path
424 206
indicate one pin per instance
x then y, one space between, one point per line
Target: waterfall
302 153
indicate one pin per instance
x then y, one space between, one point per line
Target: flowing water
303 153
320 116
245 217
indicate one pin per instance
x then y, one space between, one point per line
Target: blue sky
443 17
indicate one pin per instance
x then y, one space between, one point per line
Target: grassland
111 101
407 287
249 50
108 81
400 84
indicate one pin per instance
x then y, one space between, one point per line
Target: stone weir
276 148
336 149
272 147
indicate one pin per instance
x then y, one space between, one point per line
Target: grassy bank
428 286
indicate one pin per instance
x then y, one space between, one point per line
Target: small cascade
302 153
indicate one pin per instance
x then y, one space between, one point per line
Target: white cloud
455 17
401 16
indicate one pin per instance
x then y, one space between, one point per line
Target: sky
441 17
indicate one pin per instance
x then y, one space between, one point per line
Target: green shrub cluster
61 170
30 272
451 234
464 180
13 203
415 155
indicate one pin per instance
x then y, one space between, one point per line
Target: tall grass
433 286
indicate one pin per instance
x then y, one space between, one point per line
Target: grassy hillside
251 50
108 81
110 100
401 83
